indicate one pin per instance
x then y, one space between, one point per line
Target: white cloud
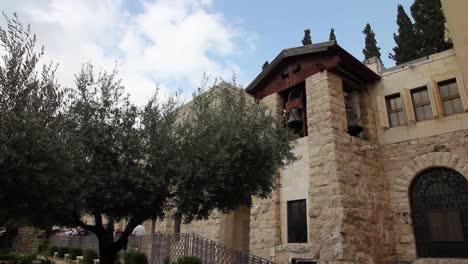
168 42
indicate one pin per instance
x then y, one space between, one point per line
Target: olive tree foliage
231 149
31 118
122 157
88 152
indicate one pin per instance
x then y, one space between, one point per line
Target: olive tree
89 152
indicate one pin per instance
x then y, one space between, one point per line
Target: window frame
391 110
427 103
450 98
294 237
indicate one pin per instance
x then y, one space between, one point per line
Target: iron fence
160 247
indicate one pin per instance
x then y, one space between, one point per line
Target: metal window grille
439 205
297 221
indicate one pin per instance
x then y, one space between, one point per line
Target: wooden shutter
463 92
383 112
434 96
408 105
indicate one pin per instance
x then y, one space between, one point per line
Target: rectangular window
297 221
451 100
421 104
396 116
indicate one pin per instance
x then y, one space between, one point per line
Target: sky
171 44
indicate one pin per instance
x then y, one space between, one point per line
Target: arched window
439 205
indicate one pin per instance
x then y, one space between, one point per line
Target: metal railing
160 247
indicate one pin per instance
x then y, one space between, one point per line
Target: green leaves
429 26
90 151
232 149
370 50
31 111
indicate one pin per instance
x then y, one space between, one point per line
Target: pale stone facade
357 188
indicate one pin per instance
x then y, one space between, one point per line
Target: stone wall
208 228
348 193
28 239
403 161
265 225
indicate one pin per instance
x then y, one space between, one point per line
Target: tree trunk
177 223
153 226
108 249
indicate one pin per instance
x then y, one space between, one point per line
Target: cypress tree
332 34
407 45
429 25
371 49
307 40
265 65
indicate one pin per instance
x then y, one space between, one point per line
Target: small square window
450 97
396 116
421 104
297 221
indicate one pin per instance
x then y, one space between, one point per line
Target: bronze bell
353 124
294 116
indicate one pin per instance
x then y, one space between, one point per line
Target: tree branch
82 224
110 224
98 222
132 223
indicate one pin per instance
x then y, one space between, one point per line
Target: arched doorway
439 205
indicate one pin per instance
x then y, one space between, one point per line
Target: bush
189 260
43 261
75 252
62 251
89 255
8 256
167 260
26 259
52 250
16 258
135 257
43 249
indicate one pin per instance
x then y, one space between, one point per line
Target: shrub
135 257
26 259
75 252
89 255
189 260
43 261
62 251
52 250
167 260
18 258
8 256
43 249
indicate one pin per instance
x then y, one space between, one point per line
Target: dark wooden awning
312 59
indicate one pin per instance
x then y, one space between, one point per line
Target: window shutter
436 103
408 105
383 114
463 92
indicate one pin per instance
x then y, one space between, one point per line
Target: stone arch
439 213
401 188
424 162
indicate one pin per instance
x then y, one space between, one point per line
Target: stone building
383 171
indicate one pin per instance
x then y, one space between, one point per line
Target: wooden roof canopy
292 66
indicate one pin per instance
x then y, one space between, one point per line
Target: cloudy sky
171 43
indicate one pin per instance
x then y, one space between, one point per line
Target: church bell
294 116
353 124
